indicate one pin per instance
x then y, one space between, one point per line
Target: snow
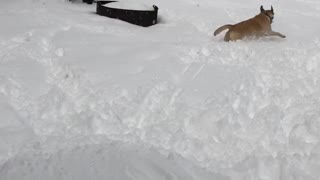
111 160
83 96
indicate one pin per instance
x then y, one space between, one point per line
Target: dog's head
268 13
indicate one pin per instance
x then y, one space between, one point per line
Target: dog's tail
222 28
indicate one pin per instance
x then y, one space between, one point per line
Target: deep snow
87 97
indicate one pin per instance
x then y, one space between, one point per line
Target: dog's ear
271 9
261 9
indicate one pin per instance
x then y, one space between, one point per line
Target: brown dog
258 26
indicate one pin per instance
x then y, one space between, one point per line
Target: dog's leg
273 33
227 36
233 36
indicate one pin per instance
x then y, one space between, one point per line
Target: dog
258 26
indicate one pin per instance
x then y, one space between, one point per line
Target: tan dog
258 26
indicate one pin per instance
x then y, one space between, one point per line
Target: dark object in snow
143 18
88 1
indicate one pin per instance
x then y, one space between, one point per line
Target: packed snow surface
83 96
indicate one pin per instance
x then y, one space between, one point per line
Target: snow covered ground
84 97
